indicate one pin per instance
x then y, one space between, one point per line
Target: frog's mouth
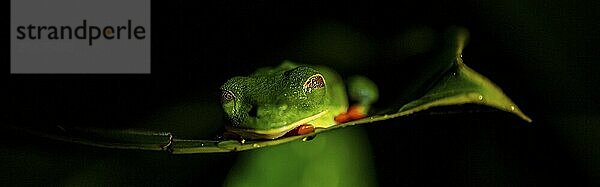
275 132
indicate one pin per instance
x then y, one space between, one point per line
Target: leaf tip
515 110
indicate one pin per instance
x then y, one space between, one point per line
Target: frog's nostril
253 111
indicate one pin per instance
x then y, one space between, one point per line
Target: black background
543 54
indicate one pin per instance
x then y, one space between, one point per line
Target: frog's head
274 101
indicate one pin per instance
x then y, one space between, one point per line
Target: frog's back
336 91
284 66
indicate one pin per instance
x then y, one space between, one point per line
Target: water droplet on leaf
308 138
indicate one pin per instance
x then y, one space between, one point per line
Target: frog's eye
314 82
227 96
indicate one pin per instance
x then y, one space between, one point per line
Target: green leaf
458 85
341 158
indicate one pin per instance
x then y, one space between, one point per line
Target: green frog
293 99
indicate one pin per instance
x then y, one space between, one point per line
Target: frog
293 99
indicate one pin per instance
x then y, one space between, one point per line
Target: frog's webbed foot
354 112
301 130
364 92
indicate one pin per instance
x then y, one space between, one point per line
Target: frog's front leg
363 92
354 112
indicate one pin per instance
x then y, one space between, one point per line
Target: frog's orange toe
301 130
342 118
354 112
305 129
